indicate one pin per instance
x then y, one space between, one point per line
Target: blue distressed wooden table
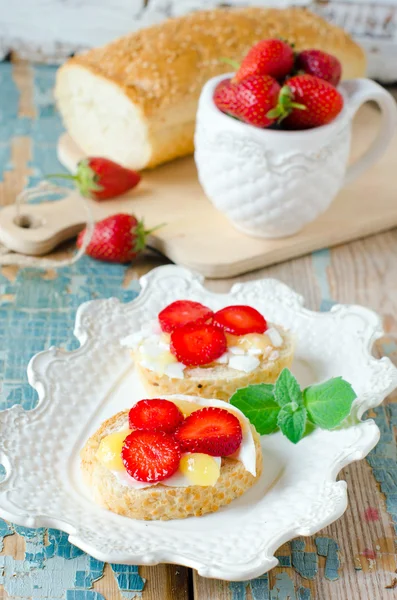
353 559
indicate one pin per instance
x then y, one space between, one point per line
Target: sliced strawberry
150 456
182 312
155 415
197 344
211 430
240 320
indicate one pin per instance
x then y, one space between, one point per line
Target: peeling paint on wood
383 458
305 563
52 566
82 595
284 589
321 261
329 548
5 530
259 589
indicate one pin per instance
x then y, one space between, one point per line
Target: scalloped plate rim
35 376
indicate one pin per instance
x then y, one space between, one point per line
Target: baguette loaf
134 100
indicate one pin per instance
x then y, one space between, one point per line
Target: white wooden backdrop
51 30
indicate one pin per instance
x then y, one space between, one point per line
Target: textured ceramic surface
297 494
272 183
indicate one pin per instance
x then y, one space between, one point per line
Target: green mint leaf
287 389
329 403
292 421
258 405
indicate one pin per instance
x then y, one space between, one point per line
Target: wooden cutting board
199 237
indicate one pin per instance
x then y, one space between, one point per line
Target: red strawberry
197 344
119 238
155 415
150 456
182 312
210 430
240 320
101 178
268 57
319 63
250 100
307 101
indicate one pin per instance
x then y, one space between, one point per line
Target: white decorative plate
297 494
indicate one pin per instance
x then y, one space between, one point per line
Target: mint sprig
287 389
284 406
292 421
329 403
258 404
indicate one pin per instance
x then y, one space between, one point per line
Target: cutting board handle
39 228
359 91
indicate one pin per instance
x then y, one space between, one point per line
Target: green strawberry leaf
292 421
287 389
258 405
329 403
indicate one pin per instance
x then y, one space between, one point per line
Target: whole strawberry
119 239
307 101
272 57
319 63
250 100
102 179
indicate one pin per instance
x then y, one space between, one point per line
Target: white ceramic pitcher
271 183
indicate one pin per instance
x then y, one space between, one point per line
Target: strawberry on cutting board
272 57
321 64
210 430
101 179
249 100
118 238
321 101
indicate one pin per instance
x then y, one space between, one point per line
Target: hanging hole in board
27 222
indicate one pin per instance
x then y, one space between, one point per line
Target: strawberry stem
149 231
61 176
231 62
141 234
285 105
86 179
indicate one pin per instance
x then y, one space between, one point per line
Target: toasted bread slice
161 502
218 381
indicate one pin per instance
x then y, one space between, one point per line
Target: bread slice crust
219 382
161 502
